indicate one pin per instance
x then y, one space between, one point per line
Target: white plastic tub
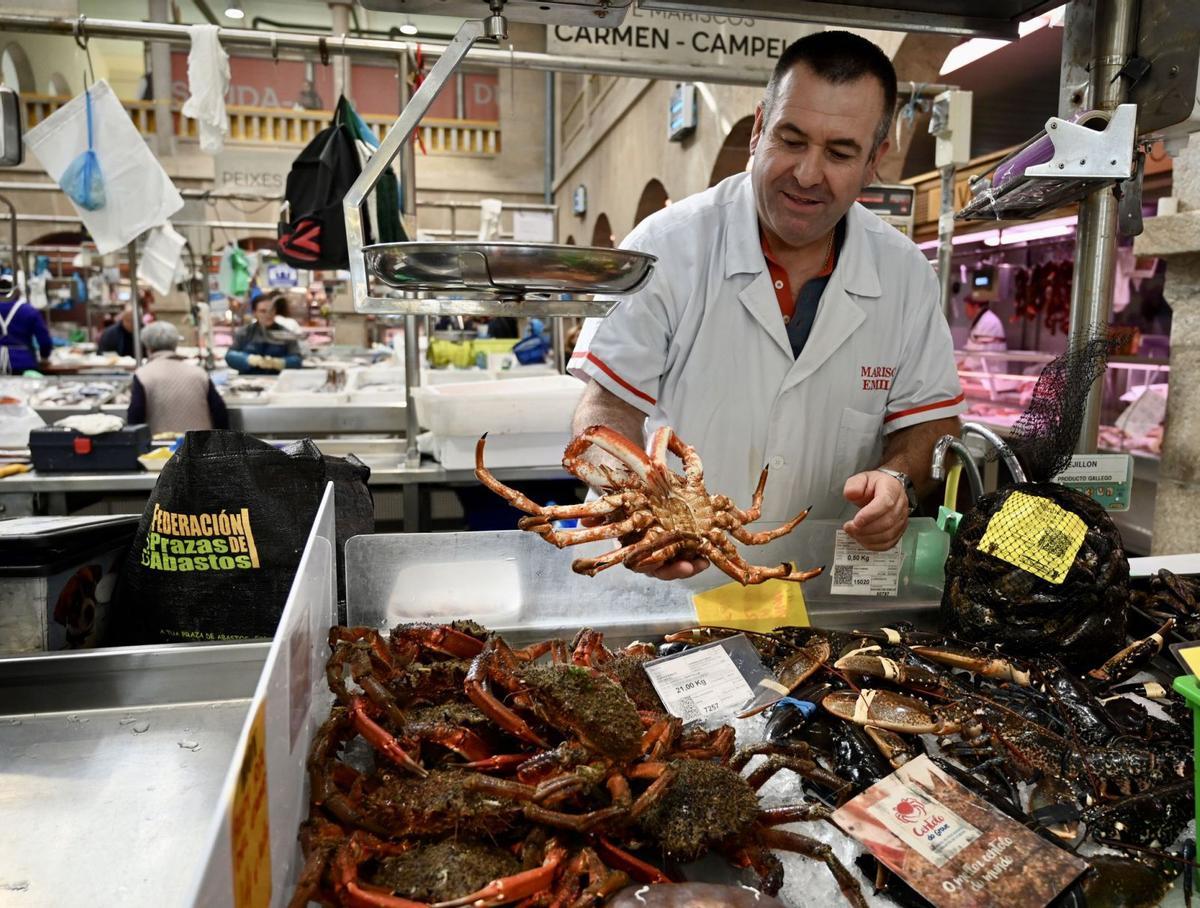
302 388
521 405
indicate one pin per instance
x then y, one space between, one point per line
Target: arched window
58 86
734 155
15 70
602 234
654 198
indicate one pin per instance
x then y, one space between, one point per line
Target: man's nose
807 168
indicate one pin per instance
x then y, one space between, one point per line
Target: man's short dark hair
839 57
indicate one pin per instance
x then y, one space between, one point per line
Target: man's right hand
675 569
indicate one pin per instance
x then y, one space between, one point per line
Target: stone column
1177 239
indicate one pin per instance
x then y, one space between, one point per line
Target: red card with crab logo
953 847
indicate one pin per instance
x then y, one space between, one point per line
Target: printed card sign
933 830
1105 478
952 847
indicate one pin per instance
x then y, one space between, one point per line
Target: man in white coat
785 325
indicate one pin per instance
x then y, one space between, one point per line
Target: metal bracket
1088 154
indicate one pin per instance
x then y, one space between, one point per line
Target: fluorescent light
408 28
978 48
233 9
970 51
961 239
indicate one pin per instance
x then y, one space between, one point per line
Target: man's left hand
883 509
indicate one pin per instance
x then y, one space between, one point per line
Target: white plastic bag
16 420
159 258
139 194
208 79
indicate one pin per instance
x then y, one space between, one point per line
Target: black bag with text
221 537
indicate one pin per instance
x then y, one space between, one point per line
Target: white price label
860 572
700 684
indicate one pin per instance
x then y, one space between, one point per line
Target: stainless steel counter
268 419
35 493
101 754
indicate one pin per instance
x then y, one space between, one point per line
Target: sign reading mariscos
697 39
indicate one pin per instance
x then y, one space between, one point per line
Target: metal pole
288 43
135 303
160 83
946 236
412 378
1096 232
340 27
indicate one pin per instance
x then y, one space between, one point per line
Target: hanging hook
79 31
274 48
324 48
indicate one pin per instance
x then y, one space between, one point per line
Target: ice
187 744
140 728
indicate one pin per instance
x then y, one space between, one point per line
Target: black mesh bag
1078 617
1044 571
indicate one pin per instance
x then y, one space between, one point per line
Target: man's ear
873 164
756 132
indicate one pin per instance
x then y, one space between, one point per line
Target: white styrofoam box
520 406
534 371
525 449
453 376
298 388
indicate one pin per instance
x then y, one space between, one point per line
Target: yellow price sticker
250 823
1036 535
762 607
1188 655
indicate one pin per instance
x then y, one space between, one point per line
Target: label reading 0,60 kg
861 572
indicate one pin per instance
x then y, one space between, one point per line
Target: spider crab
656 514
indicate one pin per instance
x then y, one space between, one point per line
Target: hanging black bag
314 236
221 537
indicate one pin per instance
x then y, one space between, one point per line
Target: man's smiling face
814 151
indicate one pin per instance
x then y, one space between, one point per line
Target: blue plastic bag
82 181
534 346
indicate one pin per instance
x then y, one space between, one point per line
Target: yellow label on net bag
762 607
1036 535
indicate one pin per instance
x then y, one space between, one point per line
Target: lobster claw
977 663
888 710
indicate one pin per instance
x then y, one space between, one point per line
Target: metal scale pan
483 278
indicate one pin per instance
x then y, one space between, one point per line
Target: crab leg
796 813
783 840
592 566
564 538
749 573
752 513
603 881
741 534
518 886
620 859
611 442
693 467
381 740
500 714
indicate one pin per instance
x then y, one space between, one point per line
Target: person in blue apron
21 327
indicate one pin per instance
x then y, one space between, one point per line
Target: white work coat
702 347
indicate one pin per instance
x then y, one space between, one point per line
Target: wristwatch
909 489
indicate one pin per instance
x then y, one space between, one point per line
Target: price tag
704 683
1105 478
861 572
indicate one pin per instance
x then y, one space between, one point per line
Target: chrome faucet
938 467
1001 446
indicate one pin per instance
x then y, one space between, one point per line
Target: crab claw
381 740
518 886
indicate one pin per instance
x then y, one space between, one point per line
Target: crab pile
455 769
656 514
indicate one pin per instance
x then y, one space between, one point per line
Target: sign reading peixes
697 39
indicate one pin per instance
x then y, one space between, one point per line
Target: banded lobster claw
890 711
794 671
875 665
978 663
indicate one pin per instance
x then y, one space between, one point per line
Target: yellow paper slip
1036 535
763 607
249 825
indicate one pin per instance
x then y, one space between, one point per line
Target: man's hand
255 361
883 510
675 569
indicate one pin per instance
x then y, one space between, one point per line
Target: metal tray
105 752
508 270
